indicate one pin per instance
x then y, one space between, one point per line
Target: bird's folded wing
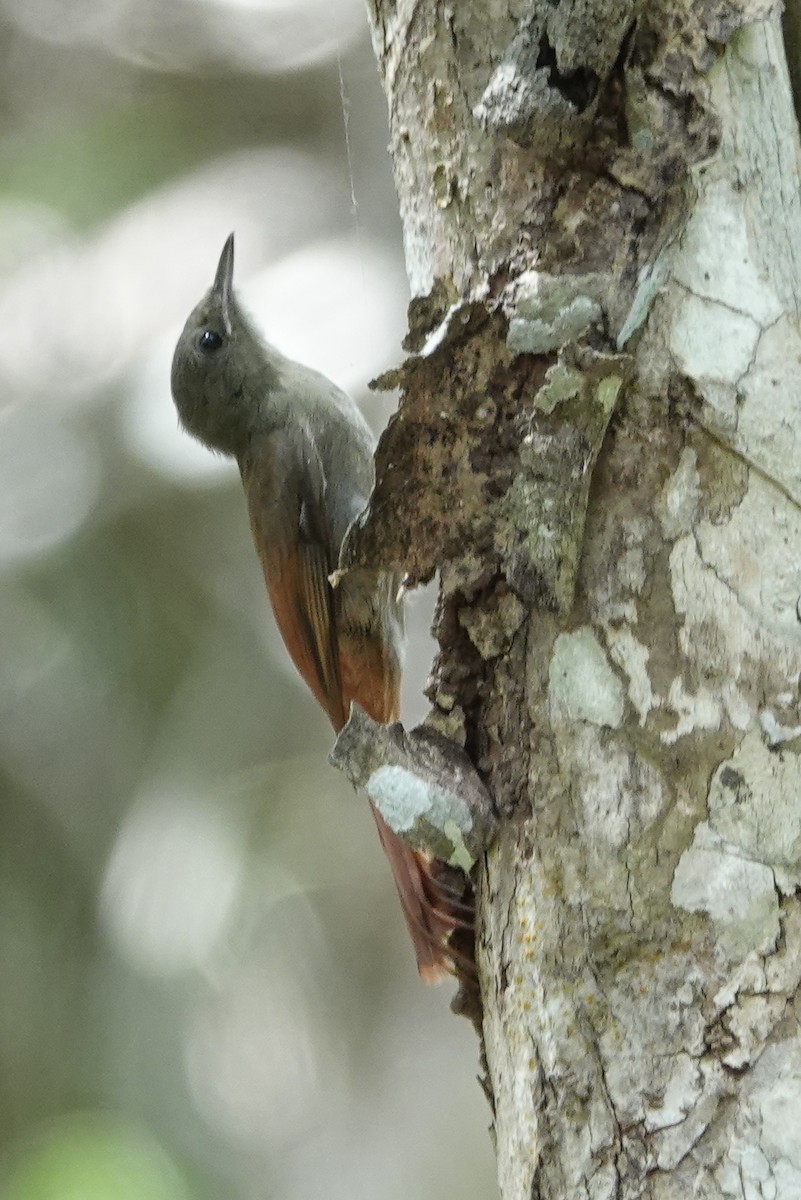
285 487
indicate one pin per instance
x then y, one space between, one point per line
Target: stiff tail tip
437 911
433 973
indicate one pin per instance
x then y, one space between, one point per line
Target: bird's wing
285 487
286 490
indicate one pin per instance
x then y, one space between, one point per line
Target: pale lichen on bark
423 785
599 449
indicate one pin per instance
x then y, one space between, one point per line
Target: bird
305 457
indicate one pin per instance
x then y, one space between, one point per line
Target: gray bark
599 449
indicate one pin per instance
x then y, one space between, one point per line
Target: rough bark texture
599 448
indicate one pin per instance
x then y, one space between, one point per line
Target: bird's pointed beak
223 286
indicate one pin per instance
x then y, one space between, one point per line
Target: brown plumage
305 456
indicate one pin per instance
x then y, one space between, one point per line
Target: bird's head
221 370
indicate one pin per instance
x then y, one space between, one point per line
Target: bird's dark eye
210 341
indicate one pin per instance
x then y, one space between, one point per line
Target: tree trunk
599 448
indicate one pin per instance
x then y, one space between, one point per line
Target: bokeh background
206 988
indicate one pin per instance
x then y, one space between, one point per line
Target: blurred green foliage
93 1158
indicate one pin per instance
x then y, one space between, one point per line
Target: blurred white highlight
263 35
332 305
253 1058
51 480
171 882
